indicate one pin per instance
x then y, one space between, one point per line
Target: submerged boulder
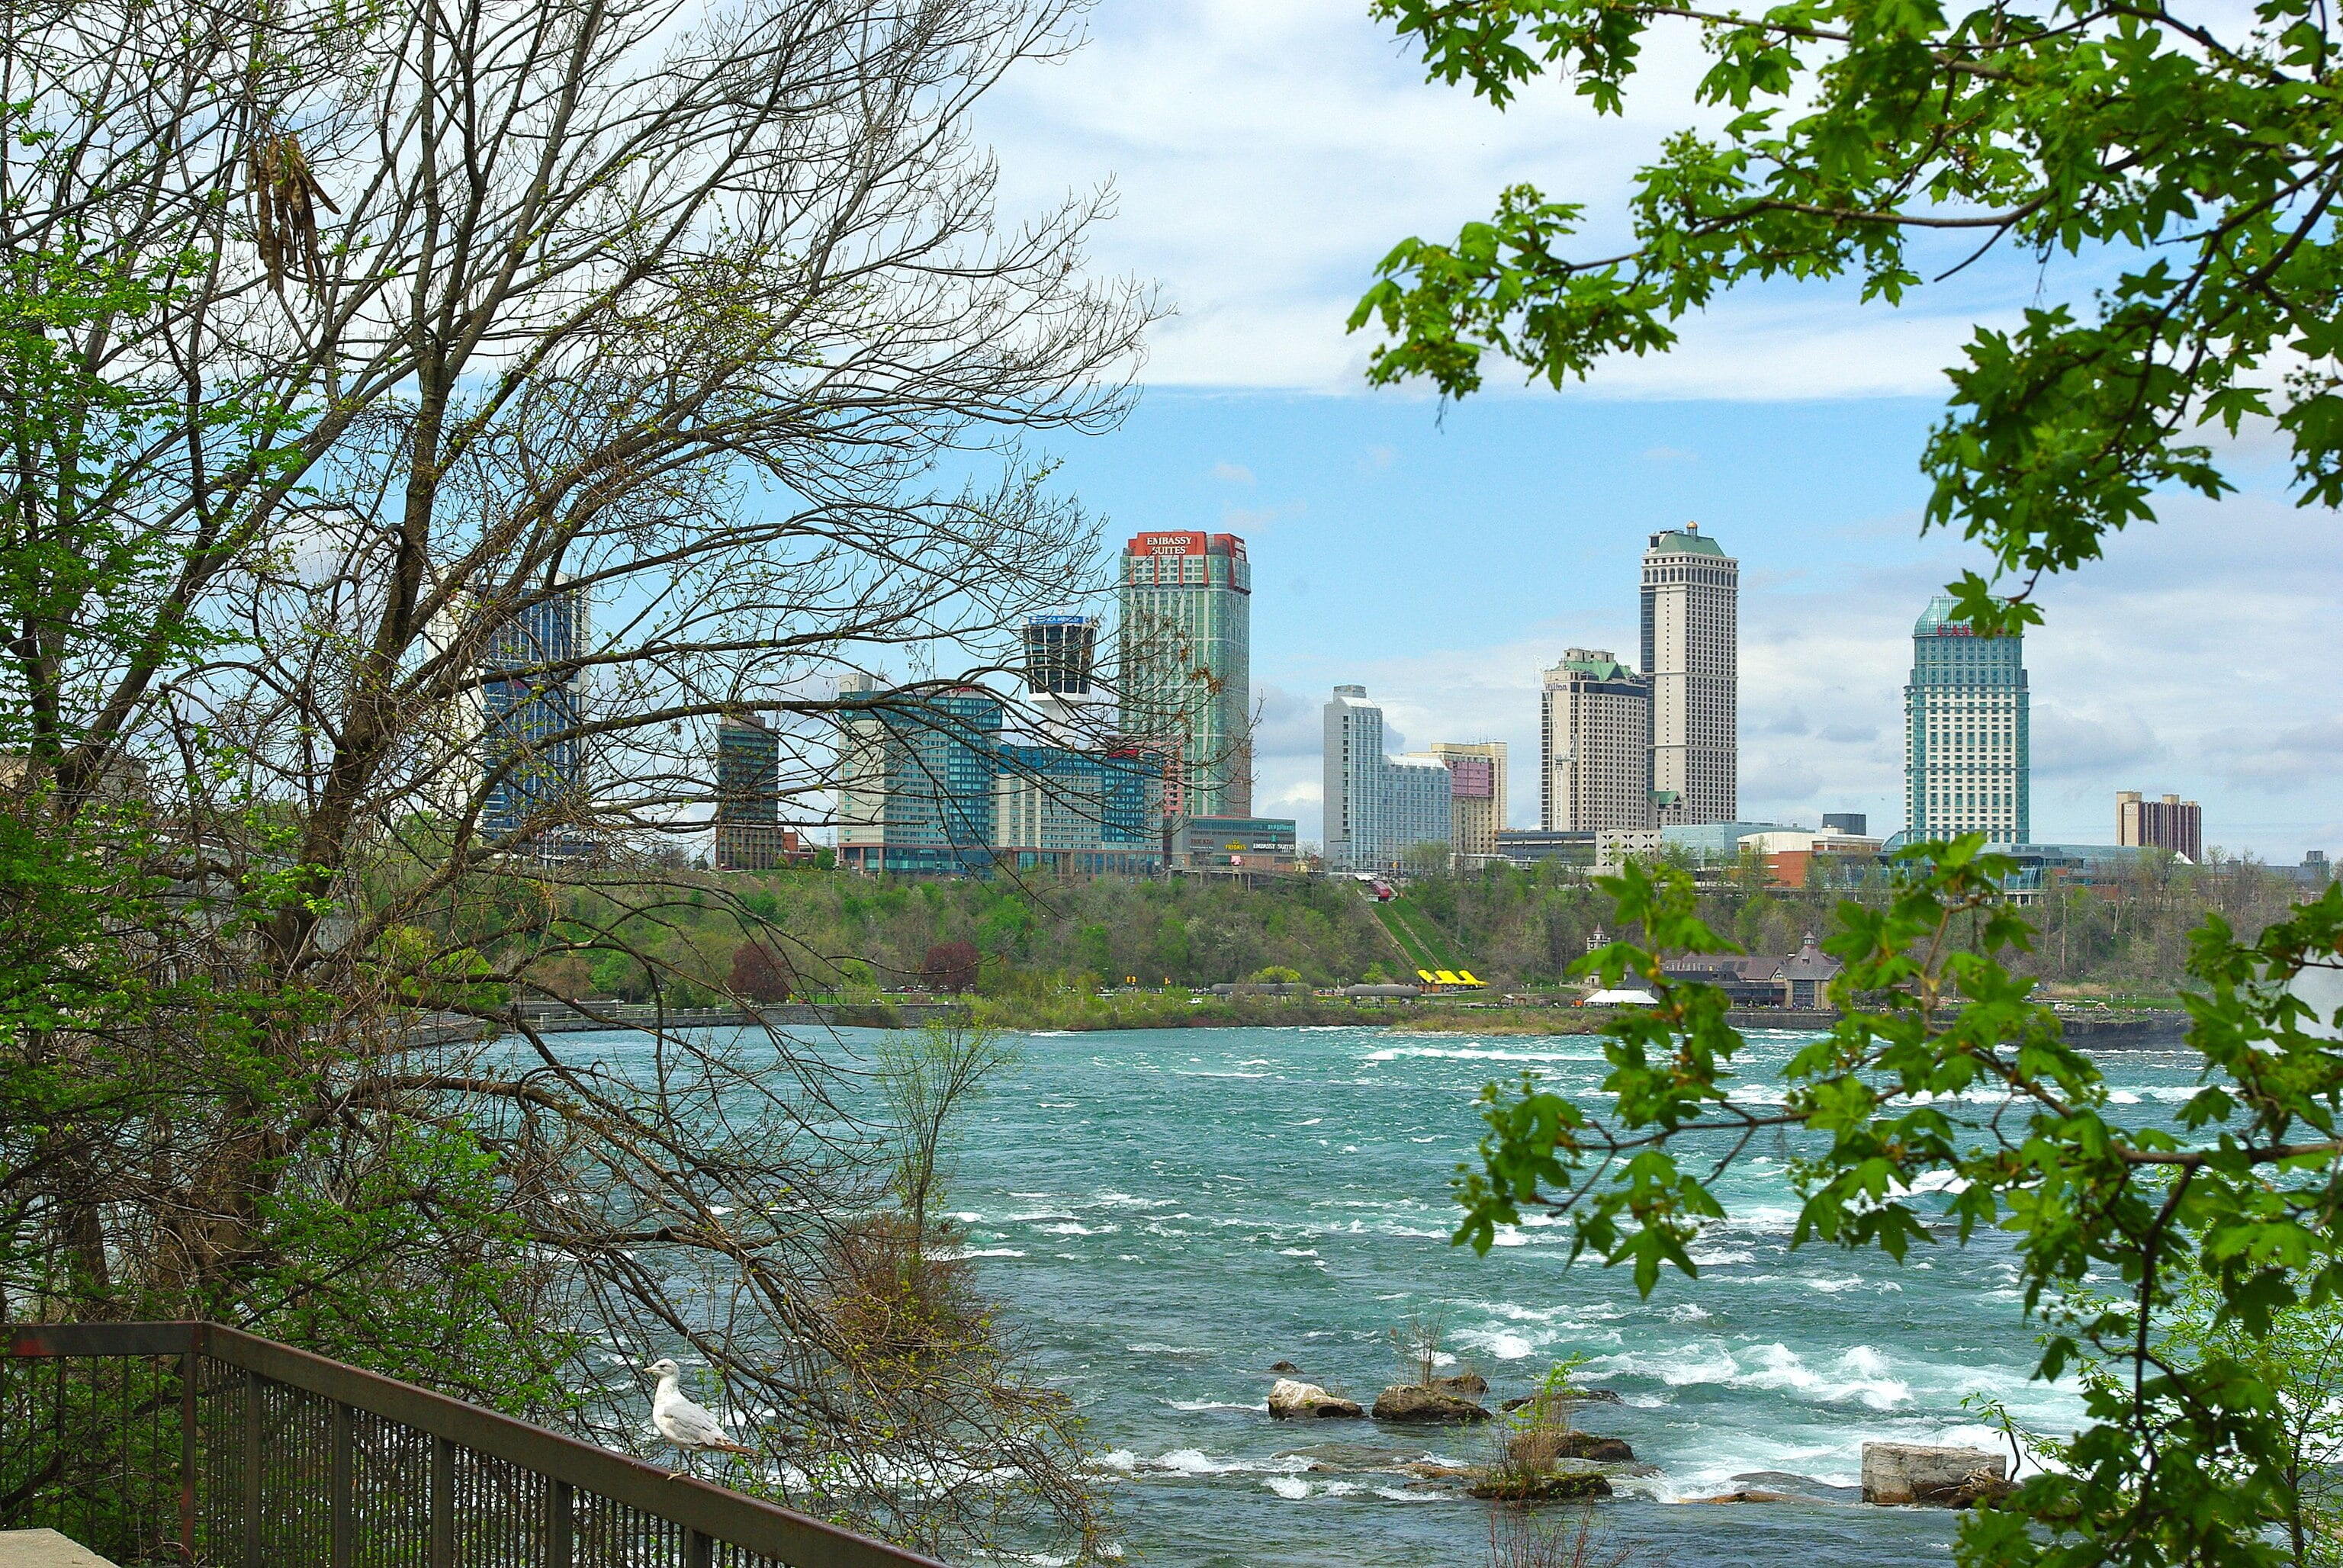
1900 1474
1414 1403
1289 1400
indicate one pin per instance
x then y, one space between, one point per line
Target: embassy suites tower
1186 667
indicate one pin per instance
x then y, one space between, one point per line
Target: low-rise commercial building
1234 843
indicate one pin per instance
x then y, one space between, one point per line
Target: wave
1476 1053
1858 1375
1156 1350
1213 1405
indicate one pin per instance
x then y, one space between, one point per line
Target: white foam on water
1156 1350
1394 1052
1401 1494
1212 1405
1297 1252
1503 1345
1288 1487
1717 1256
1076 1228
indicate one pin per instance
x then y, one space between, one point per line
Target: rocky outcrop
1287 1367
1289 1401
1463 1382
1907 1473
1539 1486
1575 1396
1419 1405
1540 1446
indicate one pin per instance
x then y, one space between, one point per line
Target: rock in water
1415 1404
1289 1400
1548 1486
1463 1382
1540 1446
1285 1367
1904 1473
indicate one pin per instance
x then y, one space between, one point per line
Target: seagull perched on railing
690 1426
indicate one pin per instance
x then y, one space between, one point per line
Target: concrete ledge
46 1549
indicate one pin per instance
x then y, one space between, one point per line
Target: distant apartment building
2170 823
927 787
1968 732
1691 633
1854 823
749 836
1061 654
1185 666
916 771
1476 795
1078 813
1596 745
1377 807
533 703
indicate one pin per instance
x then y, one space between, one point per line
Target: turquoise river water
1168 1212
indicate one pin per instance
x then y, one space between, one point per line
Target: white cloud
1267 157
1233 473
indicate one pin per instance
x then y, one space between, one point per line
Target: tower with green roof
1692 636
1967 736
1594 746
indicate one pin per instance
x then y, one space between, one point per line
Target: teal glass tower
1968 738
1186 667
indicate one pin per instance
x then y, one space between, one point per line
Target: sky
1265 154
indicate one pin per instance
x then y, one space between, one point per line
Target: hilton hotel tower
1691 633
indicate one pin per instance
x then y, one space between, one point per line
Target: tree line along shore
1040 953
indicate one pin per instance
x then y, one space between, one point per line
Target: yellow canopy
1469 978
1425 976
1448 978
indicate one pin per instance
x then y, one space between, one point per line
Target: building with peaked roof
1968 732
1691 638
1594 741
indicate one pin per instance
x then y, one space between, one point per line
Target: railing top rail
797 1539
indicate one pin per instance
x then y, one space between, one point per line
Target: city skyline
1444 553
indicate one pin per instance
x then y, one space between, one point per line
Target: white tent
1621 998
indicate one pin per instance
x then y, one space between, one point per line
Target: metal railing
193 1443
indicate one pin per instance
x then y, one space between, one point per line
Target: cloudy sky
1266 153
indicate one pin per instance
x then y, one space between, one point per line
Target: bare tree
474 402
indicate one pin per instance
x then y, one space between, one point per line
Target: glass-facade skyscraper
533 702
1060 653
1378 807
1966 732
1186 667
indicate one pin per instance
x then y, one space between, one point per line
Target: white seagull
690 1426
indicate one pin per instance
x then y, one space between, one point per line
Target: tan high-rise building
2170 823
1477 794
1595 743
1691 634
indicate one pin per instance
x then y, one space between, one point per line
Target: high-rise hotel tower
1594 727
1691 634
1185 666
1966 732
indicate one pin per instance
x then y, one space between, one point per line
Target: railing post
190 1455
698 1551
443 1502
560 1549
344 1485
251 1470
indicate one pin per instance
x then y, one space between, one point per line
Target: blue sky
1266 154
